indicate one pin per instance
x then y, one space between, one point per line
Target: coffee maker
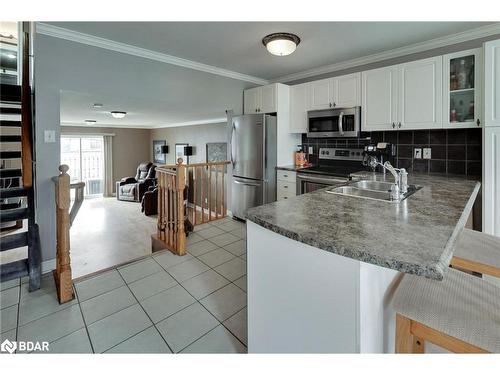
380 152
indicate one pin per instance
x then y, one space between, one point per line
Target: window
85 157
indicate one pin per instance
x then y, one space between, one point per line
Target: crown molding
218 120
91 40
464 36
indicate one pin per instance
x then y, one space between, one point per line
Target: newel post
62 273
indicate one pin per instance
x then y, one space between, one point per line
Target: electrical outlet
417 153
427 153
311 150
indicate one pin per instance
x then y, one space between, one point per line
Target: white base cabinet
286 184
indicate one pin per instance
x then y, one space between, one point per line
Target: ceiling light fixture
118 114
97 105
281 44
90 122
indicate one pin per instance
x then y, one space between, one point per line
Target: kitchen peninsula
322 267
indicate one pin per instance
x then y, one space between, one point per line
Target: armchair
133 188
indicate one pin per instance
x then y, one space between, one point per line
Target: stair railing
79 195
188 195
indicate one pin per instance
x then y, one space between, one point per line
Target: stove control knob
327 152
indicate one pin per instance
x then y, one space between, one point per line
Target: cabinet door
268 97
420 94
298 111
492 83
347 90
320 94
462 89
491 181
251 100
379 99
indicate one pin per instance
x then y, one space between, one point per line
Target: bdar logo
8 346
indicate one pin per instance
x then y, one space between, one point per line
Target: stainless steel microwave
338 122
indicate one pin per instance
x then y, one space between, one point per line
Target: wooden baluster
171 211
202 181
210 195
62 273
181 184
223 192
195 193
216 192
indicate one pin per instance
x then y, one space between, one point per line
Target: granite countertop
293 168
414 236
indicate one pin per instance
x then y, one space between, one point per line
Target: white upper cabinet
420 94
492 83
403 97
462 89
262 99
268 99
343 91
298 108
320 94
379 99
347 90
251 100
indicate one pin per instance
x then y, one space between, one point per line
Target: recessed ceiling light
118 114
97 105
281 44
11 56
90 122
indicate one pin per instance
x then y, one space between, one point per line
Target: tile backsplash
453 151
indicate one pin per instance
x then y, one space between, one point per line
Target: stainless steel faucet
400 175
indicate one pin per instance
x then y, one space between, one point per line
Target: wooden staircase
17 194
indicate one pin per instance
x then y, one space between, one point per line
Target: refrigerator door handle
246 183
232 144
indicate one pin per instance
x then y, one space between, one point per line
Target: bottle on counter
300 157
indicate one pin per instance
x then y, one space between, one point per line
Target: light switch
311 151
417 153
50 136
427 153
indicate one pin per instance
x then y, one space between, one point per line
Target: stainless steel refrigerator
252 145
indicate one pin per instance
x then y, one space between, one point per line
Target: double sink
369 189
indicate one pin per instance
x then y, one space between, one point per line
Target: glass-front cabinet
462 89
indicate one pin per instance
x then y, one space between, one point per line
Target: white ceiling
237 46
76 107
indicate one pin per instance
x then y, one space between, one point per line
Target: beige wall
196 135
130 147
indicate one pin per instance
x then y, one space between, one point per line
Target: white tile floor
161 304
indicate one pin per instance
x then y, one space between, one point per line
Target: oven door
307 183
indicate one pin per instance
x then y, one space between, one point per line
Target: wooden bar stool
478 252
461 313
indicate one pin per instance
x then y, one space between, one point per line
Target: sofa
133 188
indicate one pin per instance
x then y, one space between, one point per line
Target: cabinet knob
393 125
334 104
330 104
478 122
399 125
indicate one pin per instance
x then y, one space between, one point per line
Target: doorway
85 157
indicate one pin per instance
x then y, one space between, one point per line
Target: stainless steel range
334 167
